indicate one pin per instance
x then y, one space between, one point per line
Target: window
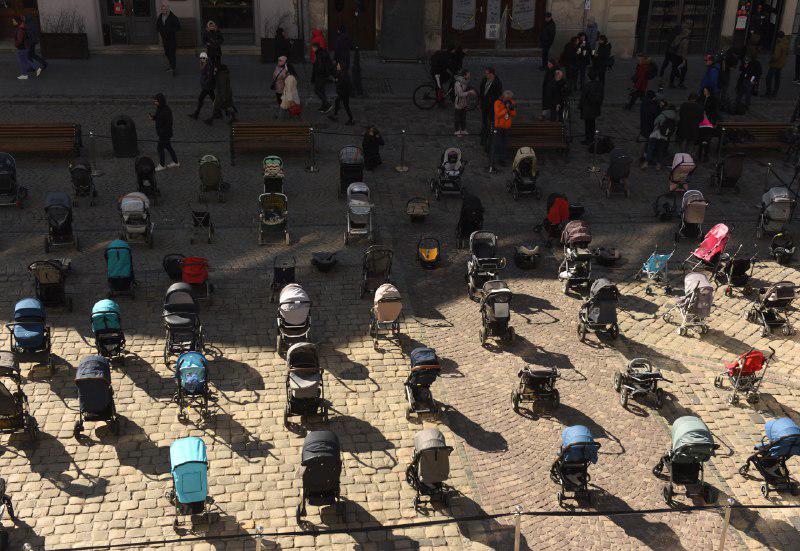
228 14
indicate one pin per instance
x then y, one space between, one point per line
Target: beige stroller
137 225
386 310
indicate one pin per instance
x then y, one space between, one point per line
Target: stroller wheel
581 331
718 381
794 490
537 193
617 381
565 287
648 290
667 317
668 493
728 291
704 329
765 490
659 398
786 330
766 332
744 469
659 468
752 398
734 399
709 494
560 497
515 401
511 335
514 193
614 331
556 399
623 398
682 331
482 335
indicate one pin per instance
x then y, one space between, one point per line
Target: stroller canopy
47 272
119 262
482 244
432 455
210 172
93 379
144 166
748 363
9 406
180 298
619 165
496 290
29 309
576 233
451 152
57 199
302 354
714 243
79 166
603 289
189 465
134 203
682 166
692 439
423 355
471 203
351 155
7 163
272 166
779 295
320 444
578 446
777 204
378 259
105 315
295 304
784 437
191 372
698 294
387 292
557 209
525 162
273 204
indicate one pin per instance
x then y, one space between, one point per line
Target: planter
64 45
296 51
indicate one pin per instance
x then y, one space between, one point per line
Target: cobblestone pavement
109 488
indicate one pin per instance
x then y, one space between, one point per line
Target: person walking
342 47
645 70
290 98
776 63
32 28
546 38
461 92
321 72
592 33
590 106
490 90
22 45
223 97
710 105
555 97
601 58
657 143
669 54
279 75
679 52
690 115
213 39
207 81
343 89
163 121
711 78
371 144
549 77
167 26
749 74
504 112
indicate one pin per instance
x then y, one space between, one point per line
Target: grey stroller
599 313
576 268
430 467
776 211
693 214
359 212
695 304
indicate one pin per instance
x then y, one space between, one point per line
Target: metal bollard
719 143
594 168
313 166
402 167
260 537
766 176
491 150
727 522
517 526
93 150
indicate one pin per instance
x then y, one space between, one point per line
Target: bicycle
426 96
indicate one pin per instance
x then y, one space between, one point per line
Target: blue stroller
425 369
780 442
570 470
191 378
119 269
29 331
96 397
107 329
656 270
188 464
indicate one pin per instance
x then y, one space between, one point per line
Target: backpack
652 70
667 127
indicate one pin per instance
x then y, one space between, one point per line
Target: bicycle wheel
425 96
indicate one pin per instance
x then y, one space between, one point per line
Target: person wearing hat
207 81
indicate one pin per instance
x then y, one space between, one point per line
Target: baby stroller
425 370
119 269
11 193
692 445
15 415
305 389
294 316
191 381
137 224
29 331
211 178
109 339
448 174
483 263
321 469
576 268
496 312
656 269
536 384
182 326
776 211
558 214
771 308
734 271
682 168
385 316
728 172
95 395
709 253
693 214
430 466
571 469
49 276
429 252
615 180
80 172
599 313
470 219
273 174
201 226
194 271
780 442
782 248
188 464
283 273
58 209
274 216
525 173
146 178
376 268
639 379
351 167
695 304
743 375
359 212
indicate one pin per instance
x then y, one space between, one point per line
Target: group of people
26 38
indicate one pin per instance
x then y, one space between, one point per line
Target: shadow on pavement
472 433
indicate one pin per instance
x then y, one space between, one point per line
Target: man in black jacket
590 105
343 89
207 78
546 38
168 25
750 73
490 91
321 71
163 119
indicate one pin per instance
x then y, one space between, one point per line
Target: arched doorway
361 27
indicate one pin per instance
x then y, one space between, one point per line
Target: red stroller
557 216
710 250
194 271
743 374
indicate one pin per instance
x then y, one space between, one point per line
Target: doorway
128 21
361 27
475 23
233 17
658 19
8 8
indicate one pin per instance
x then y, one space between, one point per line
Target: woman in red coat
319 39
641 76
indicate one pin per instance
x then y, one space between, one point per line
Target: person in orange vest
504 112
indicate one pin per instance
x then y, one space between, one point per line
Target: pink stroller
710 250
682 168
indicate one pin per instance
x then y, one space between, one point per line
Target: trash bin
123 137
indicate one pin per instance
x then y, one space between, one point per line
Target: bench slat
32 138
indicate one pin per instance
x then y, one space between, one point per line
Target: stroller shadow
235 536
472 433
233 376
229 432
344 369
450 369
490 532
527 306
632 350
568 416
730 344
359 437
23 533
135 449
385 540
634 303
148 379
750 522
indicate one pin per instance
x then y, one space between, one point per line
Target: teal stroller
191 378
189 467
119 269
109 340
656 270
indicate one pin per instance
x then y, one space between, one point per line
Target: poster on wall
522 13
493 14
463 15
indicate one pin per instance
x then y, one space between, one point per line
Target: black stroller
425 370
49 276
95 394
351 167
470 220
536 384
734 271
692 446
770 308
780 442
60 233
430 466
576 268
181 314
483 263
305 389
15 415
80 172
146 178
283 273
599 313
321 469
782 248
571 469
11 193
728 172
524 174
639 379
376 268
496 312
615 180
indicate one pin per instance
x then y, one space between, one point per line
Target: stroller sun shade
320 444
784 437
578 446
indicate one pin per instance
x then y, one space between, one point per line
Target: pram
305 388
109 339
351 167
172 266
693 214
181 314
417 208
273 174
743 374
709 253
359 212
425 370
695 304
656 269
429 252
137 224
95 395
728 172
495 308
194 271
524 174
49 277
470 218
80 172
211 178
15 415
30 334
294 316
536 384
782 248
283 273
321 469
615 179
11 193
188 464
639 379
571 469
734 271
599 313
192 384
146 182
576 268
558 214
682 168
448 174
119 269
771 308
692 446
781 441
776 211
376 268
430 466
274 216
60 233
200 226
385 315
483 264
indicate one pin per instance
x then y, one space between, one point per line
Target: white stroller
693 214
682 168
695 304
776 211
137 224
359 212
386 310
294 316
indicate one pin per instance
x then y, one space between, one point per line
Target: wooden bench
540 135
44 138
266 137
765 135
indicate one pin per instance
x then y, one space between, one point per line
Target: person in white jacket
462 91
290 99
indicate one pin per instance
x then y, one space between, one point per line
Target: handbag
295 109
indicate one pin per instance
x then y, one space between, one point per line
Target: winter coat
21 37
460 92
341 49
371 146
592 34
583 54
780 53
163 118
440 62
322 68
668 113
167 27
680 44
290 94
279 78
343 84
504 115
569 56
223 95
548 34
319 39
749 73
591 100
213 41
639 77
603 57
689 117
648 111
710 79
490 92
554 93
711 108
282 45
207 76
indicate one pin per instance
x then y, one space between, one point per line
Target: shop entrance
477 23
233 17
658 18
128 21
361 27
